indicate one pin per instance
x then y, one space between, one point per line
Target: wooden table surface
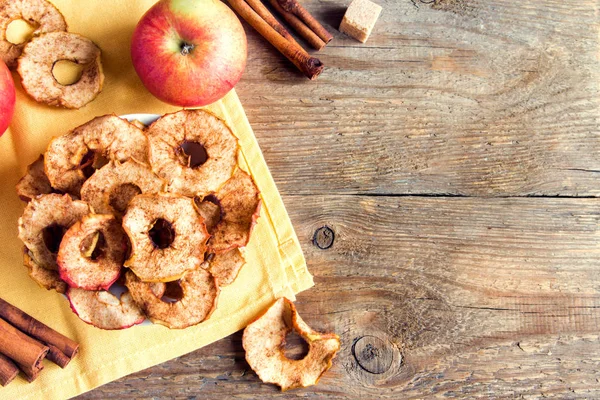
454 160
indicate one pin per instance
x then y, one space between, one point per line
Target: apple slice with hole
92 252
103 310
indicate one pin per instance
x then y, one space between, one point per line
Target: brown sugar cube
360 19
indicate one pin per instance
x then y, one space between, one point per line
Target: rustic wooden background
454 161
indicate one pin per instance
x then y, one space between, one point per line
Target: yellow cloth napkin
275 264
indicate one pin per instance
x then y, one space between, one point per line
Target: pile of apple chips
163 210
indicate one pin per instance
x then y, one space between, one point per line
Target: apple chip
240 202
44 222
103 310
168 236
46 278
39 13
198 299
34 182
73 157
263 341
38 59
139 124
112 187
193 150
92 252
210 211
226 266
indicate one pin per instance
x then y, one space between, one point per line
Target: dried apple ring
112 187
240 203
263 342
46 278
73 157
193 150
39 13
210 211
103 310
34 182
43 223
199 293
226 267
38 59
168 236
101 266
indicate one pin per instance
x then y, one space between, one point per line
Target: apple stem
186 48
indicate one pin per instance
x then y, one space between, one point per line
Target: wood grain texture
480 98
466 297
443 182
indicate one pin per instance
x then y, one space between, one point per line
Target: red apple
189 53
7 97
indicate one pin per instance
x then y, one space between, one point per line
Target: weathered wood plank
495 297
471 97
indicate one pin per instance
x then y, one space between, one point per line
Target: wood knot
373 354
324 237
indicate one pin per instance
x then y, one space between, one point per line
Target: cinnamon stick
294 7
303 30
310 66
57 357
28 353
58 343
262 11
8 370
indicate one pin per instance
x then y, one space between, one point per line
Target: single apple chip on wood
36 69
263 341
40 14
112 187
92 252
35 182
44 222
194 300
104 310
48 279
168 237
239 199
73 157
193 150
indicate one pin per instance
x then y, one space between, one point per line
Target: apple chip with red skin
198 291
240 203
101 266
35 182
263 342
103 310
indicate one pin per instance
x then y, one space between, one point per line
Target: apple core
52 235
194 154
162 233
